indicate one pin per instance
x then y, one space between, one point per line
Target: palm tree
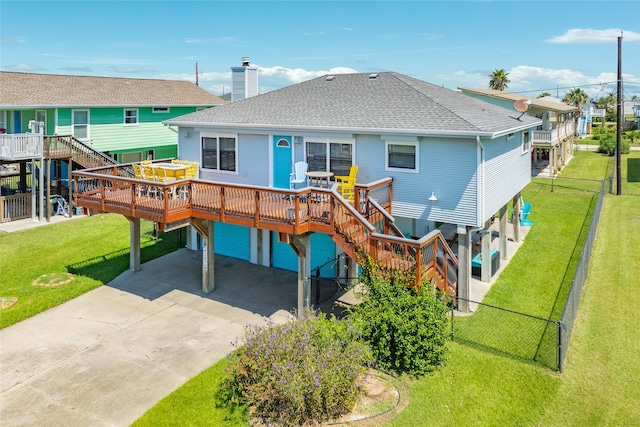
576 97
499 80
543 94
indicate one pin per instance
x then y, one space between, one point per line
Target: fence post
559 323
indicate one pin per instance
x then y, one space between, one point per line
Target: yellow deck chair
347 184
192 171
175 161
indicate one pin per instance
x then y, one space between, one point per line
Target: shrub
406 328
608 144
309 369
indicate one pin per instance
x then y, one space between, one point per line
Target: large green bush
406 328
309 369
608 144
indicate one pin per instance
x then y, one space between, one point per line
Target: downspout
481 183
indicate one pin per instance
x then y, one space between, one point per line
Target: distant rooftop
56 90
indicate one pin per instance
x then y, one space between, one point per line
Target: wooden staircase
69 147
429 258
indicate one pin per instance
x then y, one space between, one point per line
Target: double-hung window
526 141
402 156
80 124
219 152
330 154
130 116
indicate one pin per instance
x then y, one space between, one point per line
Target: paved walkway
105 357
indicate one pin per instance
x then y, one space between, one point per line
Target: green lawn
94 249
601 377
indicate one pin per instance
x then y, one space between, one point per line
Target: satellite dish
522 105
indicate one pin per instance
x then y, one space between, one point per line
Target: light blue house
455 161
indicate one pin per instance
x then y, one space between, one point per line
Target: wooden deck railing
110 189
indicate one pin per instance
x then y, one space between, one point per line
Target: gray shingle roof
55 90
391 101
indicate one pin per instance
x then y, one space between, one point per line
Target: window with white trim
330 154
160 109
80 124
130 116
402 156
219 152
41 116
526 141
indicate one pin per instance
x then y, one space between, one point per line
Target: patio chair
63 207
192 171
175 161
526 209
299 175
347 184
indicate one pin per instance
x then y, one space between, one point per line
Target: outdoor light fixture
188 134
433 198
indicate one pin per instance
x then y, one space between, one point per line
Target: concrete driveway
106 357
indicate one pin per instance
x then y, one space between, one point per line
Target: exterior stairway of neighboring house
69 147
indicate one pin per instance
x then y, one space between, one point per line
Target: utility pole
619 121
197 74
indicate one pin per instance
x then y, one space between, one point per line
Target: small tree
406 327
608 144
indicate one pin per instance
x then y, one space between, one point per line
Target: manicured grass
193 404
94 249
602 374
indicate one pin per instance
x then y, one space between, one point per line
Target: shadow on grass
107 267
633 170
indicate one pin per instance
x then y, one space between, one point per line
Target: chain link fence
523 336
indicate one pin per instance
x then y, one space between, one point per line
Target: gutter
302 128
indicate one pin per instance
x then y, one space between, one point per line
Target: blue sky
544 46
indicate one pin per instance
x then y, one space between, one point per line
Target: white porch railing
555 135
20 146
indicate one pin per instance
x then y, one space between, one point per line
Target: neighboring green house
121 117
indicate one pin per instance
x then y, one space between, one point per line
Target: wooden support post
208 260
47 187
301 245
205 230
485 271
503 232
517 203
464 269
134 243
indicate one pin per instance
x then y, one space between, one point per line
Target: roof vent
373 75
330 78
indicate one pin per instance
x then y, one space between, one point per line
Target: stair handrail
389 219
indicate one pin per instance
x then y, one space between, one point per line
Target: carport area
105 357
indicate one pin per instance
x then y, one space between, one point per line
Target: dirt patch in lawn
7 302
52 280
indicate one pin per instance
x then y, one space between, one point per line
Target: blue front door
17 122
282 156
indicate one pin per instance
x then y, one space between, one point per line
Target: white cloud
588 35
319 33
297 75
532 81
9 41
216 40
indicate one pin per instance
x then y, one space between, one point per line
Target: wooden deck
362 228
